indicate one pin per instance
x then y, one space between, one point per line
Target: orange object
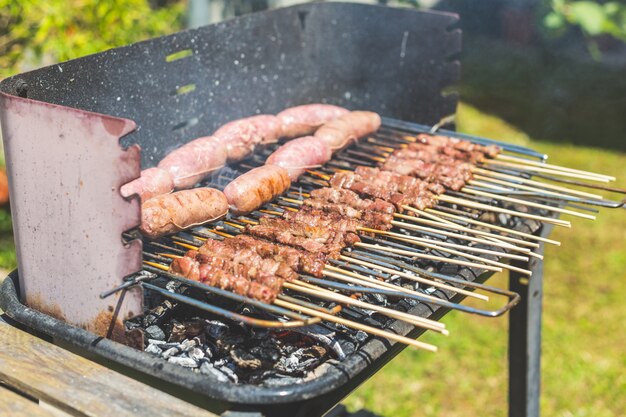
4 187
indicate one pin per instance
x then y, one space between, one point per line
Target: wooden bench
38 378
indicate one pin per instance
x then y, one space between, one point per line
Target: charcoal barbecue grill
63 126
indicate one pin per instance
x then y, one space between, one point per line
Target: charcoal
325 336
216 329
194 327
252 358
208 369
155 332
154 349
189 344
133 324
183 361
236 353
361 336
196 354
227 369
168 345
177 333
173 286
174 351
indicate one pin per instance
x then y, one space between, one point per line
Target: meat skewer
280 229
226 274
482 157
314 264
416 198
493 153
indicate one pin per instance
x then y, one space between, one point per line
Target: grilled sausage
152 182
193 161
304 120
256 187
239 138
268 126
174 212
298 155
348 128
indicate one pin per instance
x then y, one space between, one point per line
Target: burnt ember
239 354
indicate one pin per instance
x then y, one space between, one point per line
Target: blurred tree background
35 33
550 74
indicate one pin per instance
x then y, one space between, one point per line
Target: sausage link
298 155
348 128
256 187
304 120
194 161
152 182
171 213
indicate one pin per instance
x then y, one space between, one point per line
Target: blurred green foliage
592 17
35 32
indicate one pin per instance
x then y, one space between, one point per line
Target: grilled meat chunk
310 238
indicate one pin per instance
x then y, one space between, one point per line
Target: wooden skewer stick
305 288
487 207
416 320
545 170
484 181
529 203
358 326
422 242
406 275
186 245
514 179
358 279
467 256
418 228
524 161
445 244
430 257
412 277
494 227
505 241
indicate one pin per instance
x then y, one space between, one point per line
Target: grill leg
525 338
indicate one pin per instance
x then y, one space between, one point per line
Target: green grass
7 247
584 343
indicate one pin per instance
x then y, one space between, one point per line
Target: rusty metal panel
65 169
